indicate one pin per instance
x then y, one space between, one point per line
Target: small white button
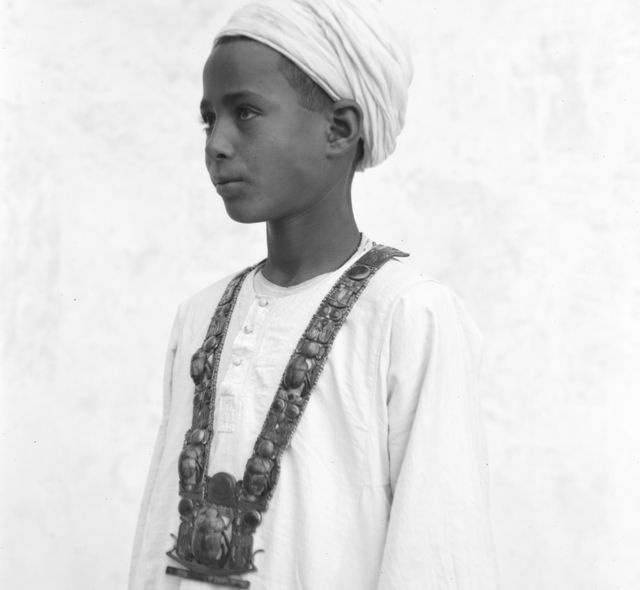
263 302
237 360
247 329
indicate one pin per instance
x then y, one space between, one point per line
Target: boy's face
265 153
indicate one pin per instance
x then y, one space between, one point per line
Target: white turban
346 47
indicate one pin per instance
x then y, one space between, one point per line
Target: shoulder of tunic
400 280
401 288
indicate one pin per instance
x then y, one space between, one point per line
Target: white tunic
383 486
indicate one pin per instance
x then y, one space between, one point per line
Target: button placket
230 404
229 411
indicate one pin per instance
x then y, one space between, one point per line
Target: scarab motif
242 540
183 545
310 349
266 448
190 466
211 343
277 406
199 436
201 411
295 372
256 476
216 328
198 361
209 543
320 330
292 411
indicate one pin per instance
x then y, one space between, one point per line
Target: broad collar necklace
219 515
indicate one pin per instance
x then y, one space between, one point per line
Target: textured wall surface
516 182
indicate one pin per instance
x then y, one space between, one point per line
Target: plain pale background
516 182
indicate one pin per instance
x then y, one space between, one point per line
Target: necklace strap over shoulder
301 374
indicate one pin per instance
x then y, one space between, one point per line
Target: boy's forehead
242 62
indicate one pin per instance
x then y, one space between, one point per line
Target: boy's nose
218 144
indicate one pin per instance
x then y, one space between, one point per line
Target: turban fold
348 49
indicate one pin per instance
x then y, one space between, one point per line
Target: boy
320 428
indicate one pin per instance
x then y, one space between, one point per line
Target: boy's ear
345 127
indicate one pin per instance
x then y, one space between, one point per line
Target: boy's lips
222 180
227 187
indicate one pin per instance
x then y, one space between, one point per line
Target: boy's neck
319 241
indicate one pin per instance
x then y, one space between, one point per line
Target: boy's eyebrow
233 97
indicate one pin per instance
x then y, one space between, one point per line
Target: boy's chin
242 214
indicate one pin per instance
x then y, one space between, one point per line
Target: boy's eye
245 114
207 120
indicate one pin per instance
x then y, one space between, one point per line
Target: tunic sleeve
138 566
438 535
